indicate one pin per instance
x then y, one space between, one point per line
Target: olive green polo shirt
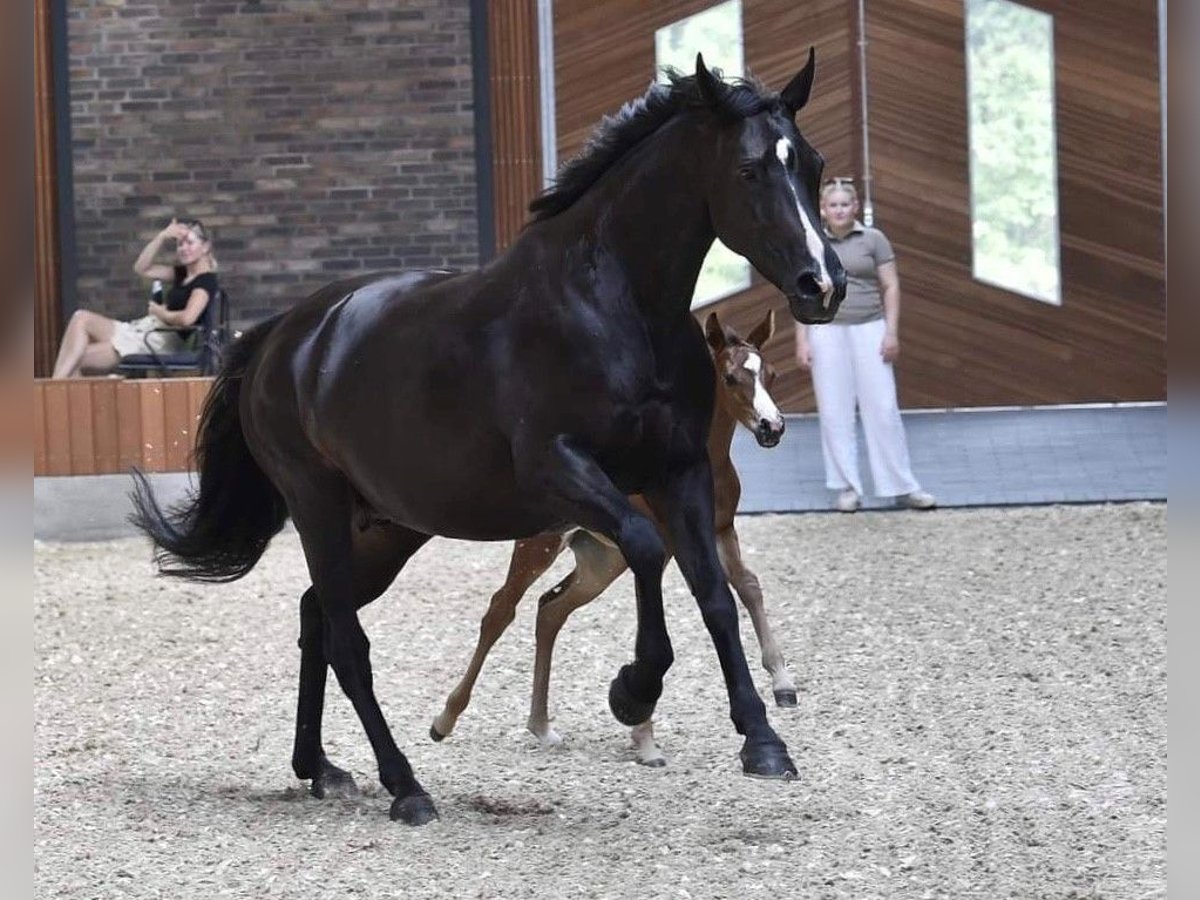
861 251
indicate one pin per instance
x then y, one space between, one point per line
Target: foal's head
762 189
744 377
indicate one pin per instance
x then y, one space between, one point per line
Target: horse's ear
795 95
763 330
710 88
714 333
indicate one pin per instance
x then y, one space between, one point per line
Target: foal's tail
220 532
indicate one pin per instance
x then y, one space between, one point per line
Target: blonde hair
844 184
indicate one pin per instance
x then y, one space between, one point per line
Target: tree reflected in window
1014 169
717 33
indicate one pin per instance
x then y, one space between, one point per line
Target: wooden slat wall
516 131
101 426
47 282
604 56
967 343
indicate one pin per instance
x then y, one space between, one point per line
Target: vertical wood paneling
177 425
154 432
516 141
40 444
58 429
967 343
47 284
101 426
129 425
79 410
105 439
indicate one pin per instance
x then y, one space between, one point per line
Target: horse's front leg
686 505
579 491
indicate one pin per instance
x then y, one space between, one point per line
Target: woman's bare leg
99 359
84 328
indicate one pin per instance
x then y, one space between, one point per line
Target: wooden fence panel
102 426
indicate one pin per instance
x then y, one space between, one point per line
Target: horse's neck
720 433
646 216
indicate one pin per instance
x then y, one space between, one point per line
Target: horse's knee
643 547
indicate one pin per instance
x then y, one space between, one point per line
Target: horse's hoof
768 760
436 736
786 698
653 762
415 809
628 709
333 783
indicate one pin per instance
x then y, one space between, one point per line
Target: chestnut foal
743 380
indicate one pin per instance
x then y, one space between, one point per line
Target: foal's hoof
767 761
436 736
415 809
627 708
333 783
786 698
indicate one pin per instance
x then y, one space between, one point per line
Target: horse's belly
448 494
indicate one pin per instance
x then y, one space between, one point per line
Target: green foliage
1010 57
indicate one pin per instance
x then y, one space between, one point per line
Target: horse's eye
748 173
730 379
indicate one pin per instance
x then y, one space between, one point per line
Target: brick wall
318 138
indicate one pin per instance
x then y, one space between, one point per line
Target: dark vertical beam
65 167
481 90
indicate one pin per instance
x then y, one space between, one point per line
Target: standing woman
94 344
851 362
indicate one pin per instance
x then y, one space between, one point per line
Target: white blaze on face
764 406
812 237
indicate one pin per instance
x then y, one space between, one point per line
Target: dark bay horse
742 388
529 396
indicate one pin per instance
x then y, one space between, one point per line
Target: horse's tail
220 532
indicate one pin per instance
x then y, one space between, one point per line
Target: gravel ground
982 714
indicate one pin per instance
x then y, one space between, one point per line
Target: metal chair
204 341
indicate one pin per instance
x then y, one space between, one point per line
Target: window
1014 169
717 33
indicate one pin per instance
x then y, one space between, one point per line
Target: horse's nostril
808 285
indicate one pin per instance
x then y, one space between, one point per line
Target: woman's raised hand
175 231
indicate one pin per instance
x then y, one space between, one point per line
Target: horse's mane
637 120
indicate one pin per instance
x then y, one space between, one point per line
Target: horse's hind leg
379 553
596 567
530 558
308 755
322 513
749 592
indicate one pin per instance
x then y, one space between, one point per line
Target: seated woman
94 344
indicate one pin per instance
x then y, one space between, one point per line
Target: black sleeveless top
177 295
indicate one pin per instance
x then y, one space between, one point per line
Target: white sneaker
917 500
848 501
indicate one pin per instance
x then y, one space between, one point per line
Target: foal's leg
748 590
584 494
321 510
686 505
596 567
530 558
379 553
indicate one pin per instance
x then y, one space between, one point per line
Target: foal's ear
710 87
795 95
763 330
714 333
